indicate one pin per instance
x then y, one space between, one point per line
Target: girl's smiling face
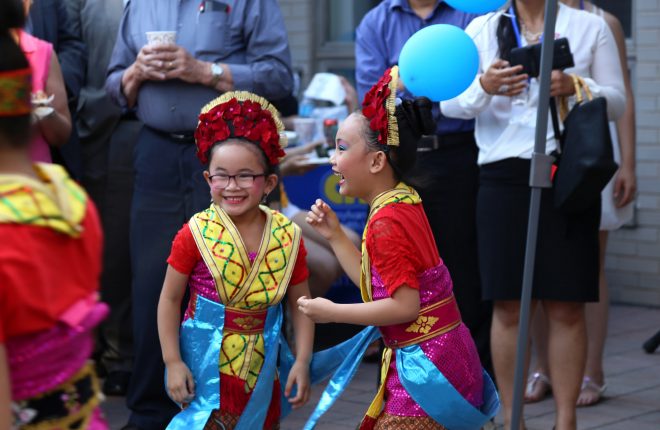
352 157
239 177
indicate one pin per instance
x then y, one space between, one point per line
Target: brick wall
633 255
298 18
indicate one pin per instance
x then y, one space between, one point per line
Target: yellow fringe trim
242 96
390 105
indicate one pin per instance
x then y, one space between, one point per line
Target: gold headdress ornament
251 117
379 105
15 90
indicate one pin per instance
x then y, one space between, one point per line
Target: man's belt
433 320
184 137
68 405
437 141
244 321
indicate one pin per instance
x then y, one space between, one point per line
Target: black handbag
586 159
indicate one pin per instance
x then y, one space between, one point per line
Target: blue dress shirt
249 36
381 36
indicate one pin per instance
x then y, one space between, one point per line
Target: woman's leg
596 316
567 337
538 383
504 338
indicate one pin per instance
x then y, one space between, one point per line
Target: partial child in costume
50 264
431 371
240 260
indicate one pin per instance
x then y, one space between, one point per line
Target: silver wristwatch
216 73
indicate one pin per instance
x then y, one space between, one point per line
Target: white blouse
498 133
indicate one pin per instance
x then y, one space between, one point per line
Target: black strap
555 122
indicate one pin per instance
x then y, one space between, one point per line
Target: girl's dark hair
414 119
506 37
16 129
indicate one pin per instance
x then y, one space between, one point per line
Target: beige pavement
632 399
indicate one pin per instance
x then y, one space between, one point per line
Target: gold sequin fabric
221 420
396 422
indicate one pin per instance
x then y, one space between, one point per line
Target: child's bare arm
302 326
169 313
180 384
304 331
5 392
402 307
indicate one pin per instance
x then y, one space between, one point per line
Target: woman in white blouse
504 103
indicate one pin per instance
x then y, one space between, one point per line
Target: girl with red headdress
431 375
240 260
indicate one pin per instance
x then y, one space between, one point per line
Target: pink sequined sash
41 361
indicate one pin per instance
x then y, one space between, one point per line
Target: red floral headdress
15 90
252 118
378 107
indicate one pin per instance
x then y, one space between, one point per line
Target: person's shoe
116 383
590 392
538 388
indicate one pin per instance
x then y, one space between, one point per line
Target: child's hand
299 375
319 310
180 383
323 219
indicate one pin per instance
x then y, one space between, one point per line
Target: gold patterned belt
433 320
70 405
245 321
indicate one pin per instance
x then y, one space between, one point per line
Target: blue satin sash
437 397
201 339
342 361
200 343
418 375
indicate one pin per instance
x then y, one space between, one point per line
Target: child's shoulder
397 211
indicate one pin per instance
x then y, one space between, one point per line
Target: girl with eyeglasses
240 261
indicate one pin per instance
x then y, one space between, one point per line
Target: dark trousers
449 181
169 189
116 332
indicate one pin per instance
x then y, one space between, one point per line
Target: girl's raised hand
298 376
319 310
180 383
324 220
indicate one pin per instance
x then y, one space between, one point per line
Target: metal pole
539 179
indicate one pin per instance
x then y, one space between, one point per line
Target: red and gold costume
50 263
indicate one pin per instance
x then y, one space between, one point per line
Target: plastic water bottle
306 108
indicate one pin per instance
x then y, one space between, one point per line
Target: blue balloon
476 6
439 62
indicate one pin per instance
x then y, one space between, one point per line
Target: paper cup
161 37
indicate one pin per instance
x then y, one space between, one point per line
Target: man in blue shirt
220 46
447 161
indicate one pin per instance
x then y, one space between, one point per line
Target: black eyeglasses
243 180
